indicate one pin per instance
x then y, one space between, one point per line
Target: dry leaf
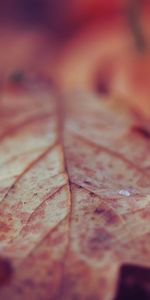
74 195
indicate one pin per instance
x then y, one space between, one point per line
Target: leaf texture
74 195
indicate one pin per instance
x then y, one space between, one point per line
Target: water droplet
124 193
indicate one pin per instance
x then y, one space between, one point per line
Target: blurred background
97 44
61 16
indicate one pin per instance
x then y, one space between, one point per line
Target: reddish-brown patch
44 256
111 217
146 214
4 227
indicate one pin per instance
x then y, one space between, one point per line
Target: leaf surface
75 194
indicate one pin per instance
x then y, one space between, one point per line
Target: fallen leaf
75 194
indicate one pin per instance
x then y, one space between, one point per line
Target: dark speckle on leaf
99 210
87 182
92 194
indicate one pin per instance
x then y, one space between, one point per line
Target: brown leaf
75 195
